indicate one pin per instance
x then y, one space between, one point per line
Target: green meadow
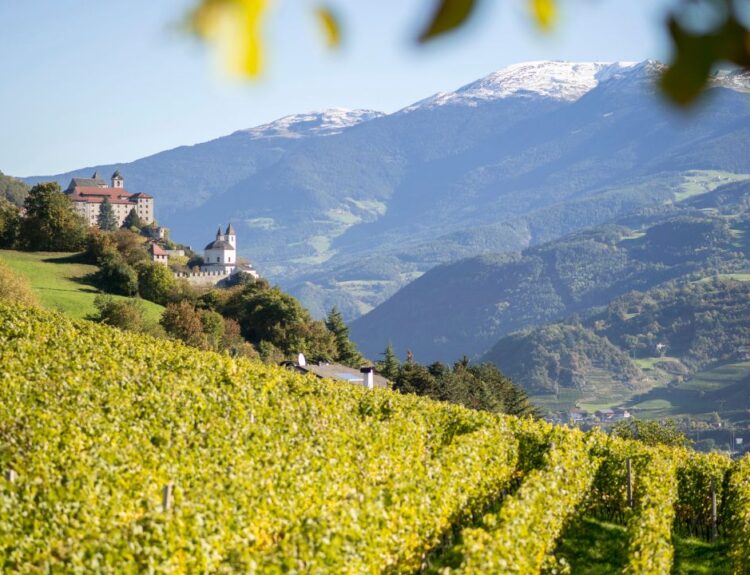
62 282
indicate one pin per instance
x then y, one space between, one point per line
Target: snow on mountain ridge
566 81
317 123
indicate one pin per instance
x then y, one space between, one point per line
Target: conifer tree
133 220
347 352
388 368
106 219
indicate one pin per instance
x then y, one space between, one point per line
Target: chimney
369 373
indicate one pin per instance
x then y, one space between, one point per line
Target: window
218 259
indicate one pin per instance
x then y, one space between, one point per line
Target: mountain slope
465 307
345 207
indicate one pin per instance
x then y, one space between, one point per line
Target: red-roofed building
158 255
87 194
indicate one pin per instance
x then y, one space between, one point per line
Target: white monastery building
221 254
219 262
87 195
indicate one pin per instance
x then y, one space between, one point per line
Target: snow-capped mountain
564 81
319 123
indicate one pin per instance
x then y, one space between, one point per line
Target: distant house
87 195
621 413
364 376
605 414
577 414
158 254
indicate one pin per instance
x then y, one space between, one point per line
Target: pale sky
87 82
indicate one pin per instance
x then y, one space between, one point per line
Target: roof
341 373
94 182
219 245
157 250
117 174
141 195
230 230
95 195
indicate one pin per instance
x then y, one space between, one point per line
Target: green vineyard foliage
518 538
649 528
739 517
276 472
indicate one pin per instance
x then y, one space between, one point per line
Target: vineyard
121 453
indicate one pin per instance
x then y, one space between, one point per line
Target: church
221 254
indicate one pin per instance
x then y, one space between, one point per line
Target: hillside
467 306
345 207
63 283
642 340
124 453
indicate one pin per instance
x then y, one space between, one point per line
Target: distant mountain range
345 207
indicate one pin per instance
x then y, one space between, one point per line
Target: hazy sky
96 81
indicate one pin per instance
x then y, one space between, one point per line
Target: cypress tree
133 220
347 352
390 364
106 219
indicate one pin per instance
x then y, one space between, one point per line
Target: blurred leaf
545 13
235 27
330 25
696 54
449 15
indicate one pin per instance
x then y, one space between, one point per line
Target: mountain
467 306
345 207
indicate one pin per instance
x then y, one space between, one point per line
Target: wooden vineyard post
630 483
714 517
10 475
166 499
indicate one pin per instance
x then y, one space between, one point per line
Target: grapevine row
519 537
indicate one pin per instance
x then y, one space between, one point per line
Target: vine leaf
448 15
235 27
330 23
545 13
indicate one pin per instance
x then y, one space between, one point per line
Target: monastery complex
87 195
220 256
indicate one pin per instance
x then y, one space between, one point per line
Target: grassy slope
60 282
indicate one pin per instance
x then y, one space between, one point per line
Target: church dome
219 245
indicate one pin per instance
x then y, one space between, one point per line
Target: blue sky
93 81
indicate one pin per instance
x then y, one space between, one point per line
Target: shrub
15 288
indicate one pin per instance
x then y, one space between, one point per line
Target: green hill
61 282
124 453
467 306
643 340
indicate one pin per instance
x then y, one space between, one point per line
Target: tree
275 322
13 190
51 223
10 223
133 220
346 349
106 219
115 275
127 314
388 368
155 282
651 432
415 378
182 321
